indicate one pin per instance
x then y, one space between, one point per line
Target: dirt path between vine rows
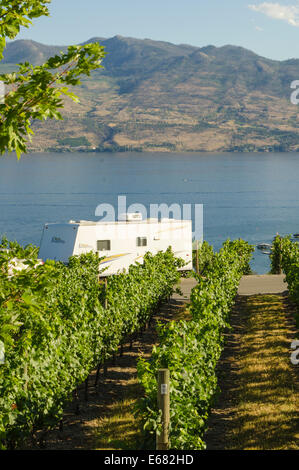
106 419
257 408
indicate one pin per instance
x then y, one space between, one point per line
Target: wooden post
77 403
162 440
97 375
86 390
26 377
106 302
61 425
197 260
280 256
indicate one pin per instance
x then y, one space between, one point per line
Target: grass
119 429
266 414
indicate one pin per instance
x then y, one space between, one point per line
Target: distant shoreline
149 151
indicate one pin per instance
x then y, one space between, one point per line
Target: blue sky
270 28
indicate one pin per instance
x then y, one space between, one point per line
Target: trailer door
58 242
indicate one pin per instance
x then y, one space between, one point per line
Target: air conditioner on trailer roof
130 216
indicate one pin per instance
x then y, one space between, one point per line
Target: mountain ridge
158 96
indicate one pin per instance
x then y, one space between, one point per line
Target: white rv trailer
120 243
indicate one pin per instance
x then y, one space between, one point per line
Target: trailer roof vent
130 216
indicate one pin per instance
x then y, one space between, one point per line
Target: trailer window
104 245
141 241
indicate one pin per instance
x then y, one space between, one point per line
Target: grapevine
55 329
191 349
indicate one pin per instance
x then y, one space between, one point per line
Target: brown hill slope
154 95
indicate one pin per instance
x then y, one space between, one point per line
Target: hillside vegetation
157 96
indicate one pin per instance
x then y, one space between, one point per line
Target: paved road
262 284
186 285
249 285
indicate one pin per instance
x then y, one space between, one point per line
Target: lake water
251 196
